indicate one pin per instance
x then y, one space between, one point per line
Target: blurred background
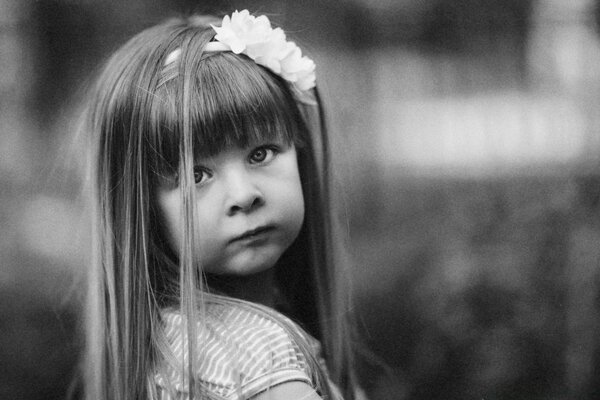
466 145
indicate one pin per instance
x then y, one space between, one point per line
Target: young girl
215 256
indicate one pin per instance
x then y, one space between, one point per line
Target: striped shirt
241 353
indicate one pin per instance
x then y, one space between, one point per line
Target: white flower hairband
243 33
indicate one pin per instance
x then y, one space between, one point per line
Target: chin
247 270
245 266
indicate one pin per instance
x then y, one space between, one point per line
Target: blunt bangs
231 102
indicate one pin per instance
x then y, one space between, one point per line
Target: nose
243 195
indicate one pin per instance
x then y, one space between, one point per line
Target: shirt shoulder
241 352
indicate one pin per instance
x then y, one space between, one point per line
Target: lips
253 233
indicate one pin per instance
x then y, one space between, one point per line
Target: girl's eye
262 155
200 174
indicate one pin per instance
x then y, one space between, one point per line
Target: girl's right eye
200 174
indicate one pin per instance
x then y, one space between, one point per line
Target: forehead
228 102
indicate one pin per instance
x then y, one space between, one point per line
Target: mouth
253 233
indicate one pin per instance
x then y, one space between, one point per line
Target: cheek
207 222
170 220
293 202
297 215
297 192
299 201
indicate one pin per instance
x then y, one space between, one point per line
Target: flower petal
254 36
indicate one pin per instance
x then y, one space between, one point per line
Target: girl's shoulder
243 349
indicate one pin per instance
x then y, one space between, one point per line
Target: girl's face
249 205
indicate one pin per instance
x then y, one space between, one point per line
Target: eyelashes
263 154
201 174
256 157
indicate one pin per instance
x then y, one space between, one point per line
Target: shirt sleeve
242 355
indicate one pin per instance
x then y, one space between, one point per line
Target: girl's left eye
262 155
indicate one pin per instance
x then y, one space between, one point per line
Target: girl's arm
294 390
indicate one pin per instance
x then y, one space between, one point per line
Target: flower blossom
253 36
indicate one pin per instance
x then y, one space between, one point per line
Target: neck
257 288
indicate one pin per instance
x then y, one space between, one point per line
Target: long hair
149 119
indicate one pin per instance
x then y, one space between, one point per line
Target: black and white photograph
300 199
